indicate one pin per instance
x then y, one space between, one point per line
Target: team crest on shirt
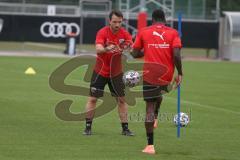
121 41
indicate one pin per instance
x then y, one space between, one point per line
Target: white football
131 78
184 119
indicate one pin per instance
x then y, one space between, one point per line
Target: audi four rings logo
58 30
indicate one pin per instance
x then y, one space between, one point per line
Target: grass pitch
29 128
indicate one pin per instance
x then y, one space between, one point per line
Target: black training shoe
127 132
87 132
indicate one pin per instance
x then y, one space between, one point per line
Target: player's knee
92 100
121 101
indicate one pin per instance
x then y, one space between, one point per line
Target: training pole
179 87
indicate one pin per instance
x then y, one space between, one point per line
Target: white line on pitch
204 106
45 45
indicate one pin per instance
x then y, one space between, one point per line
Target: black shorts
115 85
152 92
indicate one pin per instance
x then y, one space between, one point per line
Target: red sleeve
100 38
138 44
176 41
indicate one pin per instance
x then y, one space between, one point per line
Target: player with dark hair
161 50
109 52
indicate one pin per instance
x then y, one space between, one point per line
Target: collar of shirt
159 24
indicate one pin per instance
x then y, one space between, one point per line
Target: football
131 78
184 119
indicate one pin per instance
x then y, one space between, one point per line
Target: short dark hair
158 15
116 13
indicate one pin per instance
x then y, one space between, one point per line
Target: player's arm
100 49
136 53
178 64
137 47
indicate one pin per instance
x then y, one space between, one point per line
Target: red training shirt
109 64
158 42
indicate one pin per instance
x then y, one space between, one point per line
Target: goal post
229 36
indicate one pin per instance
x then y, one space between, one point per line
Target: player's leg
156 111
163 90
122 109
123 115
96 90
151 94
90 110
117 87
149 122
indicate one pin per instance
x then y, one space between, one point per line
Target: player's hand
112 48
178 80
126 47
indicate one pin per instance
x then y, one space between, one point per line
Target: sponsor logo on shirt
157 46
159 35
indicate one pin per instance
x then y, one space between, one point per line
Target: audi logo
58 30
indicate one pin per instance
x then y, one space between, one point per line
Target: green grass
29 128
60 47
41 47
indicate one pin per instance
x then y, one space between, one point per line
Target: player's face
115 23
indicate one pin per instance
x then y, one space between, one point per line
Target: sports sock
88 123
125 126
150 138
